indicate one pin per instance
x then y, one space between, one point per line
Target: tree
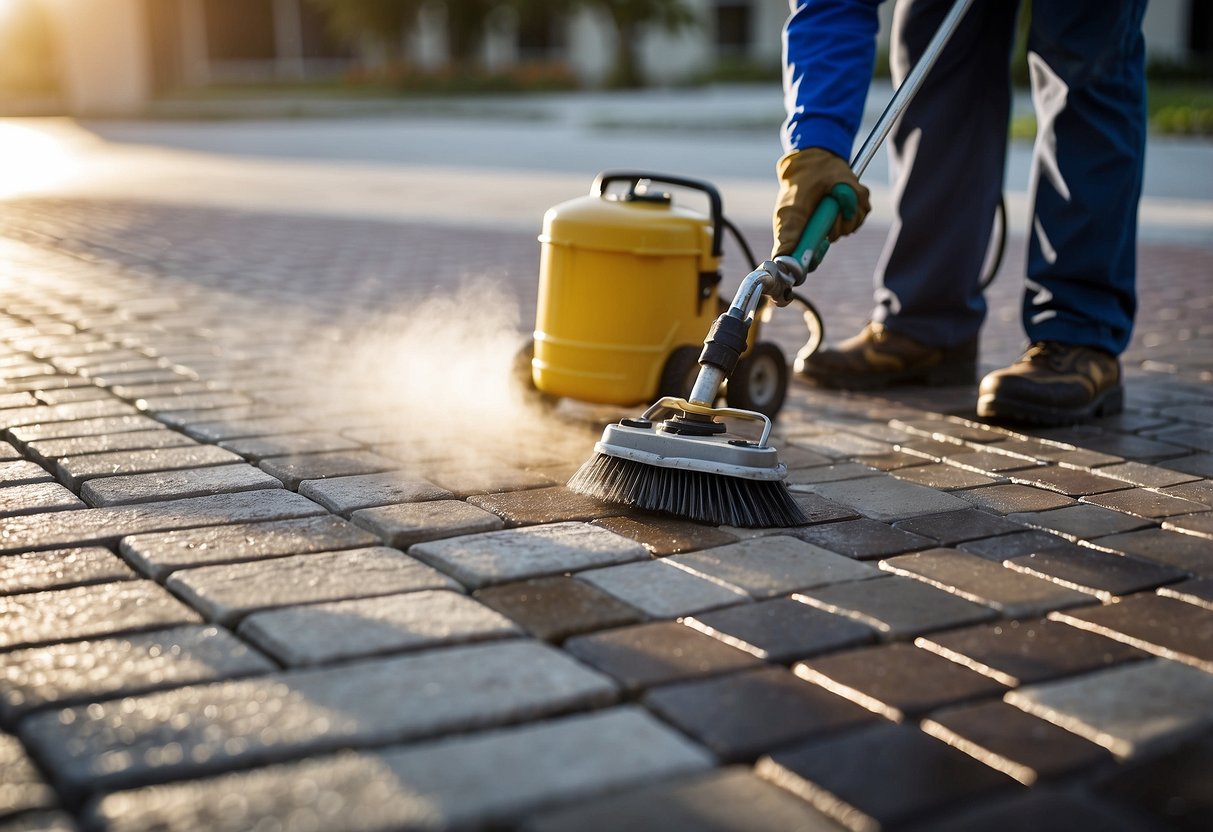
382 22
630 18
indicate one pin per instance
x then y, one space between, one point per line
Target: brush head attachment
678 468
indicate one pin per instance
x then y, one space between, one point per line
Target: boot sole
937 376
1108 403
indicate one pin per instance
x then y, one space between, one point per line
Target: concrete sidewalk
281 546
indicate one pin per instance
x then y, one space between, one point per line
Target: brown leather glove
805 178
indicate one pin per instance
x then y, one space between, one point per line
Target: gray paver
21 787
35 571
1128 710
47 450
1146 503
781 629
897 607
458 783
263 719
959 526
293 470
222 429
863 539
84 427
408 523
1188 552
774 565
725 800
228 592
23 472
1168 627
888 499
104 525
556 607
74 411
347 494
85 671
156 555
667 535
75 470
1014 499
81 612
662 590
1013 593
514 554
260 447
37 497
170 485
1101 574
1081 521
320 633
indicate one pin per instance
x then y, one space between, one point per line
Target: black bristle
716 499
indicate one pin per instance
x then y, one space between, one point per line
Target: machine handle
814 242
602 180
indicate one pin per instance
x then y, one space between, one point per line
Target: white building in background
116 55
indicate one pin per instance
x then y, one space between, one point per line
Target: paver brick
37 497
646 655
1146 503
1041 808
104 525
800 478
954 527
49 450
1187 552
886 498
896 680
946 477
1167 627
743 715
1014 499
322 633
408 523
724 800
473 781
104 668
22 789
544 505
191 401
1200 525
1013 593
86 611
515 554
228 592
1172 788
781 630
557 607
464 482
1098 573
1072 482
291 444
990 462
226 429
1014 742
1130 709
158 554
75 470
74 411
344 495
774 565
897 607
1145 476
862 539
1198 591
204 729
1026 652
662 590
101 426
293 470
666 535
1080 522
917 775
174 485
1018 544
59 569
23 472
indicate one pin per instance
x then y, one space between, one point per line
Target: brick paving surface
281 546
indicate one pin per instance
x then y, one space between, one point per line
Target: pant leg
1088 85
947 156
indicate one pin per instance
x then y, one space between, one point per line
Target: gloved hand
805 178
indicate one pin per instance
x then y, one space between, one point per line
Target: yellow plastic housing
619 290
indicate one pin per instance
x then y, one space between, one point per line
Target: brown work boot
1053 384
878 357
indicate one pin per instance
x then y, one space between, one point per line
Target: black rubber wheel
760 381
679 374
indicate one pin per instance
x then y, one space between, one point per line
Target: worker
947 156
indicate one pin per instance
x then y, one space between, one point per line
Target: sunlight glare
30 159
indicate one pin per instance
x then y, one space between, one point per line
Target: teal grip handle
814 242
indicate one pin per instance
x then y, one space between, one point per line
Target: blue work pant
948 155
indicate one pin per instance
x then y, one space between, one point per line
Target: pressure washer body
628 285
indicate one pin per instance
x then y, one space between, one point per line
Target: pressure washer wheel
679 373
760 381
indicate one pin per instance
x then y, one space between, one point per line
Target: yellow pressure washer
628 285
